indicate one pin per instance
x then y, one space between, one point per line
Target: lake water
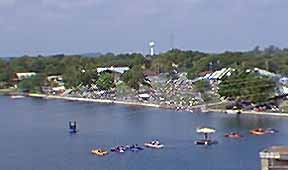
34 136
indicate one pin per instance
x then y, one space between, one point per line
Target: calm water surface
34 136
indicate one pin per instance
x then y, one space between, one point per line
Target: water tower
152 46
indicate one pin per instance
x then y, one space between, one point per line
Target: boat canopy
205 130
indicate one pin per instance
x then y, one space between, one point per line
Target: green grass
7 91
221 106
284 107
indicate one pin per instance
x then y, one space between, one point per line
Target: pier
274 158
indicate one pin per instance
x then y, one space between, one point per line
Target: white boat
17 97
154 144
233 111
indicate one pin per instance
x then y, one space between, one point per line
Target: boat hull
99 153
205 142
149 145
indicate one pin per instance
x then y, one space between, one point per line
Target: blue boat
73 127
119 149
135 148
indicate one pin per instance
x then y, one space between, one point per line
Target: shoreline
251 112
93 100
106 101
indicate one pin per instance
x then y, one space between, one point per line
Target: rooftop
279 149
120 70
22 76
275 152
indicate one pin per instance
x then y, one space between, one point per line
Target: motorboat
118 149
17 96
73 127
99 152
206 141
233 135
154 144
258 132
233 111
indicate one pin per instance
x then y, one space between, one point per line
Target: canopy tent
205 131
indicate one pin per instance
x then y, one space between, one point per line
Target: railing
269 155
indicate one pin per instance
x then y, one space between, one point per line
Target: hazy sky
80 26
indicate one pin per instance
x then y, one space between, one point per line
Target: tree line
71 66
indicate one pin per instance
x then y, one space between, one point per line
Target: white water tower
152 46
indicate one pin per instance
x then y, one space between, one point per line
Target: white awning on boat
205 130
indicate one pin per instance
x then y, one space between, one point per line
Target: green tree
33 84
202 86
88 77
248 86
192 73
134 77
4 76
71 76
105 81
193 62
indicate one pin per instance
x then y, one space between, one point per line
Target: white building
266 73
218 75
23 76
115 71
120 70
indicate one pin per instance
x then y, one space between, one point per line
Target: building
115 71
266 73
55 85
56 80
283 81
119 70
274 158
283 86
218 75
23 76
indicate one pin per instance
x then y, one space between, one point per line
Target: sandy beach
250 112
149 104
93 100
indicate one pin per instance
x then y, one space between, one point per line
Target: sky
47 27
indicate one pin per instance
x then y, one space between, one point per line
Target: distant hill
91 54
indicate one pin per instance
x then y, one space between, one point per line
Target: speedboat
118 149
99 152
154 144
258 132
17 97
73 127
233 111
233 135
